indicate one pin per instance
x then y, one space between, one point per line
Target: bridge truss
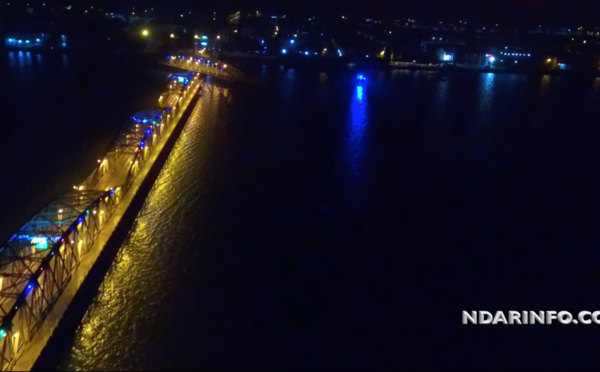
37 262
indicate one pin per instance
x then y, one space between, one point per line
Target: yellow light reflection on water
136 285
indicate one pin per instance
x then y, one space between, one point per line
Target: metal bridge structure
206 67
38 260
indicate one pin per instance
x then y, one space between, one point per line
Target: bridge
39 262
206 66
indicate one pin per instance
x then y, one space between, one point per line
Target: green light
2 333
42 245
40 242
87 212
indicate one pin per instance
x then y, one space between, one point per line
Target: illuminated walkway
43 264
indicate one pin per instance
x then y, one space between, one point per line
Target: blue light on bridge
361 77
142 144
204 43
339 52
28 289
292 41
112 191
283 51
20 41
306 53
80 220
40 242
148 131
204 37
262 41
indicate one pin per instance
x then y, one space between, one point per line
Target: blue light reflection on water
356 130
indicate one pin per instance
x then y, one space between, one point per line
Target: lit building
26 41
35 41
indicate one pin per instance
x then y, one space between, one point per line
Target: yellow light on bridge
172 36
145 33
549 60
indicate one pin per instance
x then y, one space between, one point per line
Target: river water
317 221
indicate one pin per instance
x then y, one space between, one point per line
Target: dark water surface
312 222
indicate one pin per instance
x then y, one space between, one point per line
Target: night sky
555 11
